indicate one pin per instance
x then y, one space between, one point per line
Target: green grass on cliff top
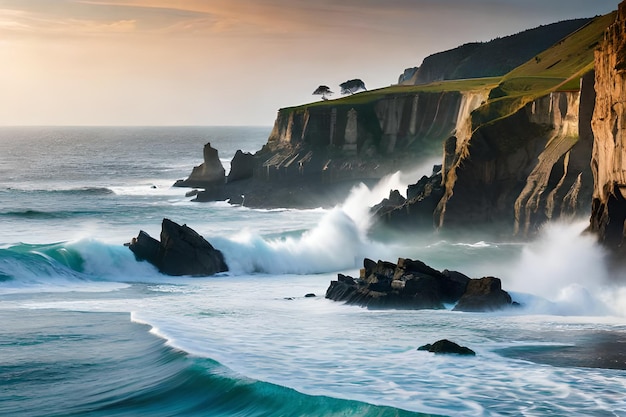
558 68
371 96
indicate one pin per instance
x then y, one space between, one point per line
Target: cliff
525 169
523 157
373 128
489 59
608 218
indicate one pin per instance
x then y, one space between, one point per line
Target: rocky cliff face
393 130
522 170
609 127
514 173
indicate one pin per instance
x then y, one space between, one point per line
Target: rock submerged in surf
181 251
445 346
414 285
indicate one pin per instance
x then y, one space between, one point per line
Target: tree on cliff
352 86
322 90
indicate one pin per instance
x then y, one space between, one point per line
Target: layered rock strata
523 170
608 217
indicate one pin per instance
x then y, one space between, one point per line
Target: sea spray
566 272
338 242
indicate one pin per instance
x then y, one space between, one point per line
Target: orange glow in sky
227 62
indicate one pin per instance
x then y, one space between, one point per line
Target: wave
71 191
107 365
69 266
44 215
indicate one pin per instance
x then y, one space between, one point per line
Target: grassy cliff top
558 68
371 96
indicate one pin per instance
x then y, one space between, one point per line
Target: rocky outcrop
181 251
209 174
445 346
484 294
416 211
412 284
608 217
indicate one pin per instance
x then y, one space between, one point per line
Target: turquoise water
88 330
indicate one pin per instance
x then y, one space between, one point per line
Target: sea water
88 330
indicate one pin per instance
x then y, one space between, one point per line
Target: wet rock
181 251
484 294
445 346
411 284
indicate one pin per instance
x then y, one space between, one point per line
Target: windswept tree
322 90
352 86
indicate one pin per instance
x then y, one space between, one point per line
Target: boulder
484 294
181 251
445 346
411 284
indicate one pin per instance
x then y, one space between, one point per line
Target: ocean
89 331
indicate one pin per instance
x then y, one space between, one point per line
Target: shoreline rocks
181 251
414 285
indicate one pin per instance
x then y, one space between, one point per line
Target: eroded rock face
181 251
411 284
209 174
522 170
608 218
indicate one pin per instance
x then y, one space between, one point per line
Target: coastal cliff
523 156
515 150
317 152
522 170
373 127
609 127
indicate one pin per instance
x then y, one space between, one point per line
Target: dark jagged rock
241 167
484 294
181 251
416 211
209 174
411 284
445 346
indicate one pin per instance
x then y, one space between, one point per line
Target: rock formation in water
209 174
445 346
412 284
608 218
181 251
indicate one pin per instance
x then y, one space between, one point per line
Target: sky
228 62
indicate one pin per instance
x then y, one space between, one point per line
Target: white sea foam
566 270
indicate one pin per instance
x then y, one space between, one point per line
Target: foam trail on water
567 272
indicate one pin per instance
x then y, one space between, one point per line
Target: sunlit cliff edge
609 128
